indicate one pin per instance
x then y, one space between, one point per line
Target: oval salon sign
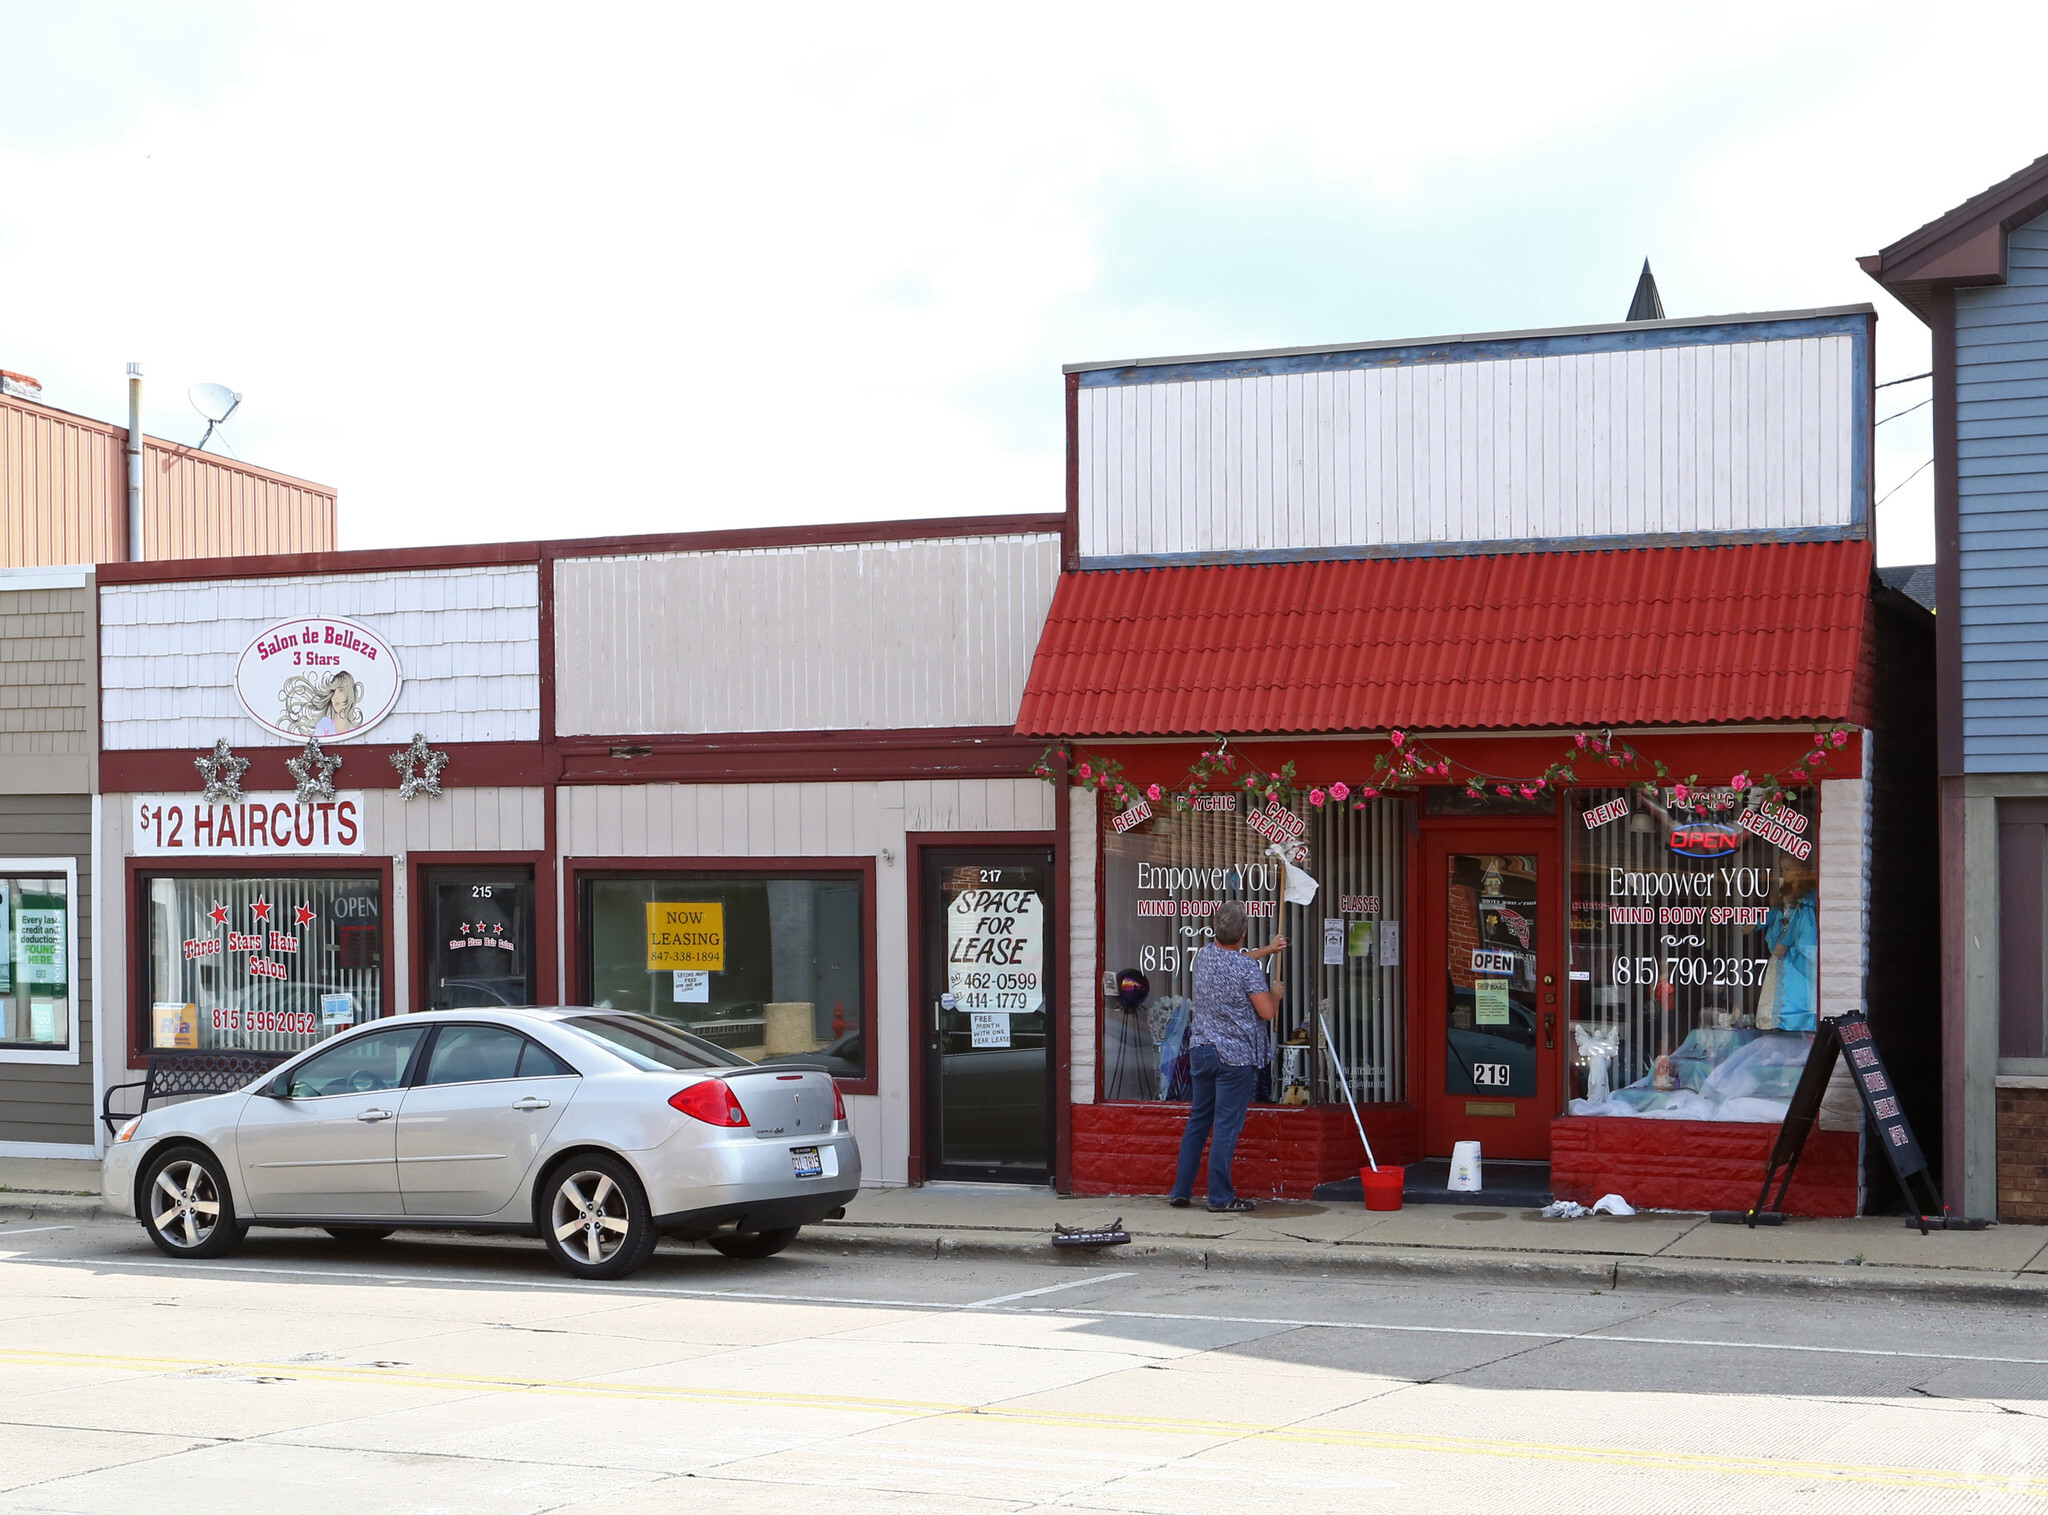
318 677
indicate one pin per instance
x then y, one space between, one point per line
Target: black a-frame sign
1849 1036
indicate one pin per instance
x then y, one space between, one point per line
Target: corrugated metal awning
1495 641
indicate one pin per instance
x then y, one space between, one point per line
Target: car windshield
651 1046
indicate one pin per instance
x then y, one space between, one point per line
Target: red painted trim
390 559
1713 754
544 944
577 869
470 765
915 845
834 534
139 868
760 757
551 767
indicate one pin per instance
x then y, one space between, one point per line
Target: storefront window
1694 952
1161 881
261 964
770 967
35 963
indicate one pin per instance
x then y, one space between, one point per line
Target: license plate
808 1163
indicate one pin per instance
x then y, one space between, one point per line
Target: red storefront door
1489 996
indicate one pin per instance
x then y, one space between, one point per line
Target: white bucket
1465 1168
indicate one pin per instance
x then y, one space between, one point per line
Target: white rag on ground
1606 1204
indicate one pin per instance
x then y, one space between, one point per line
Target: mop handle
1337 1062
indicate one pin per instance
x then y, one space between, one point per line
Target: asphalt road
424 1374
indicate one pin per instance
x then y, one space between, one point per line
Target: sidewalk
1656 1250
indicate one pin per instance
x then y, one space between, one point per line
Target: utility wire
1888 383
1906 412
1909 478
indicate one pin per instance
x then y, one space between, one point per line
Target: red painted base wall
1284 1153
1695 1165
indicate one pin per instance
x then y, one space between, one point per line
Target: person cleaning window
1228 1048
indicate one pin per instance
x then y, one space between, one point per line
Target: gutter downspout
134 462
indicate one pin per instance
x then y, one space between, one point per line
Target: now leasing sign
686 937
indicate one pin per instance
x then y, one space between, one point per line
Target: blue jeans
1223 1095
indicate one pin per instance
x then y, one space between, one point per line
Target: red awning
1495 641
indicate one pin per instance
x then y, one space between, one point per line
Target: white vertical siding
467 640
861 636
1084 992
1724 436
818 820
1842 907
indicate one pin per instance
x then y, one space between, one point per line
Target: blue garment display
1798 931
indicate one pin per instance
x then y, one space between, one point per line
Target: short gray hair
1229 922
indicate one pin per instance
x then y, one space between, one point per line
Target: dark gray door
988 1014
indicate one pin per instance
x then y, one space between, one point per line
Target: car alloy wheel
591 1221
188 1210
598 1224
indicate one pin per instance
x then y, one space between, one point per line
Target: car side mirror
278 1089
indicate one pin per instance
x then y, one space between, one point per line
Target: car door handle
530 1103
374 1115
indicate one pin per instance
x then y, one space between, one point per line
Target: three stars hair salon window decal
419 767
264 951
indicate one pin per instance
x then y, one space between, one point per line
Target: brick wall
1284 1153
2023 1155
1696 1165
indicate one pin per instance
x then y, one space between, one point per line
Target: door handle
1549 1029
529 1103
374 1115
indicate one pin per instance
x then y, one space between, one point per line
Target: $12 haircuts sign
995 951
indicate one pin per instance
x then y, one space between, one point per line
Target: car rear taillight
711 1101
838 1103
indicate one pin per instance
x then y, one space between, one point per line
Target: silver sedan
600 1132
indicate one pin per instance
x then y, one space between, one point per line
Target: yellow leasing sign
685 936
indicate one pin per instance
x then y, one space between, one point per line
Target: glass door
1492 970
479 945
987 1024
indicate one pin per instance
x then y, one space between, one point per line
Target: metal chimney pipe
134 462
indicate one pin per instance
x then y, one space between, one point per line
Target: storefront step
1509 1186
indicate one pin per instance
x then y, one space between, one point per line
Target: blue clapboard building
1978 276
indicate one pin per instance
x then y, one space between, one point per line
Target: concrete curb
19 1204
1580 1271
1411 1265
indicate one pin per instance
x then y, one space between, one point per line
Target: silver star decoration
419 756
222 772
314 771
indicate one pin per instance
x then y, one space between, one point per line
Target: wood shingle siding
467 639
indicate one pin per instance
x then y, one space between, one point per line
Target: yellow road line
1660 1459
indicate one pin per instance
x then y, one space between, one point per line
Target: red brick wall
2023 1156
1284 1153
1695 1165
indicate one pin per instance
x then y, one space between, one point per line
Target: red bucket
1382 1187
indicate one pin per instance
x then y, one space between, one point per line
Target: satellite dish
216 402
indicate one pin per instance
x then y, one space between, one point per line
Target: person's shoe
1178 1201
1233 1205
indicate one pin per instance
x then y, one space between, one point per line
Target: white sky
502 271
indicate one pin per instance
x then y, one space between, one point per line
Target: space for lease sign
256 825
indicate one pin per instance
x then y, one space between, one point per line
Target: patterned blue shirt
1224 1018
